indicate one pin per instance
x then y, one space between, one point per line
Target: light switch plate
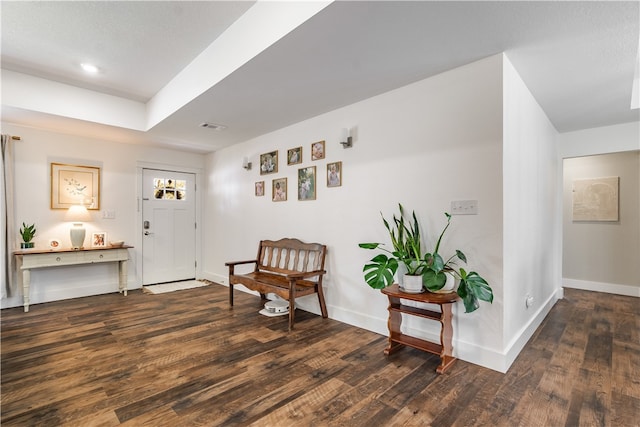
109 214
464 207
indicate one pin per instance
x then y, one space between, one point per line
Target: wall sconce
246 164
346 140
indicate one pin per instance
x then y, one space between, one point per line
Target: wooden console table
397 339
29 259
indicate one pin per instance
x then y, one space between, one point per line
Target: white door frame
140 165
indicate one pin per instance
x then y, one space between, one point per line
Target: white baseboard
609 288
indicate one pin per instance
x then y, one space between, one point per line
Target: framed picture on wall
269 162
279 190
259 188
294 156
75 185
307 183
317 150
334 174
99 239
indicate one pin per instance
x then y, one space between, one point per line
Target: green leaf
369 245
432 280
379 272
461 256
438 263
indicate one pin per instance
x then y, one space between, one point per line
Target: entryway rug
163 288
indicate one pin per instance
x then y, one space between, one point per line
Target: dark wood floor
185 359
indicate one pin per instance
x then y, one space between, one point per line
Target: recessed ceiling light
89 68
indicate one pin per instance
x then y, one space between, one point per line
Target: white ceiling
577 58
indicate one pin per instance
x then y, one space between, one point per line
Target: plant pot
411 284
26 245
449 285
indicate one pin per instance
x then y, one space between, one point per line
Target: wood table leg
446 336
122 277
26 283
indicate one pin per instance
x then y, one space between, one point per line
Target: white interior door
169 226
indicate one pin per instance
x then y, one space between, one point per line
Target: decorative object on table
317 150
269 163
116 243
27 232
294 156
596 199
54 244
334 174
75 185
99 239
405 237
259 188
307 183
279 190
77 214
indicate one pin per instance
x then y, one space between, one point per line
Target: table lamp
77 214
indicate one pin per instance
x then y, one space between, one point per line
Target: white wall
532 210
118 163
423 145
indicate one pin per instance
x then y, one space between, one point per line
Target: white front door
168 226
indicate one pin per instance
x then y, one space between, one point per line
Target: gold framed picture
294 156
279 190
334 174
307 183
259 187
75 185
269 162
317 150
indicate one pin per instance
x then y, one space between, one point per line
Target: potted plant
439 274
432 268
407 251
27 232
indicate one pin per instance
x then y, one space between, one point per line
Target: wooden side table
397 339
29 259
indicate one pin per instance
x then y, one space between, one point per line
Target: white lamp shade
77 234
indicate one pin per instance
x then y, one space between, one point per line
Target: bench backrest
287 256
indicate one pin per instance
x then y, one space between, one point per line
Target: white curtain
7 229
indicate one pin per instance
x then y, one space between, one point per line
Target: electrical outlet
464 207
529 301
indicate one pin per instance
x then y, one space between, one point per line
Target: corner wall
423 145
532 212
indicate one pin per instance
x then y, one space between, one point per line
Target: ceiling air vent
212 126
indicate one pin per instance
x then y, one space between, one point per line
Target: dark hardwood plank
187 359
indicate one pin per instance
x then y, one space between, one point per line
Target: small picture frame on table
54 244
99 239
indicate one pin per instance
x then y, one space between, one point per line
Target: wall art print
294 156
259 188
596 199
279 190
334 174
269 162
317 150
307 183
75 185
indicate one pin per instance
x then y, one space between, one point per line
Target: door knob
146 233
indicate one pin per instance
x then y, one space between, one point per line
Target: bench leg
292 312
230 295
323 307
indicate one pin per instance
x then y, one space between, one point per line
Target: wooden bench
288 268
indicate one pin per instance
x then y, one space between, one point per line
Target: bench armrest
228 264
296 276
